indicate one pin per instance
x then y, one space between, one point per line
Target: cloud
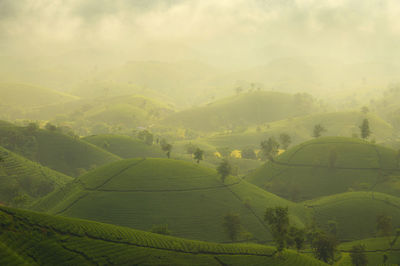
308 26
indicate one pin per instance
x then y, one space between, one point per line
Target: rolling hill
330 165
243 110
29 238
18 100
125 146
58 151
355 213
191 199
21 178
344 124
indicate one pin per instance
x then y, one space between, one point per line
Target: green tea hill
354 213
344 124
330 165
22 180
191 199
18 100
29 238
53 149
125 146
243 110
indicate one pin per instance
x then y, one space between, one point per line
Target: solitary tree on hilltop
224 169
198 155
364 128
318 129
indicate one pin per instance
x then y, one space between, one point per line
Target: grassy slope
125 146
304 171
55 150
241 110
25 95
355 212
300 128
189 198
39 239
21 176
375 249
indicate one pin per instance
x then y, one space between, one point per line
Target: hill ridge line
135 244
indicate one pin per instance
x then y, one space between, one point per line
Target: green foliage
190 148
248 153
146 136
232 225
53 149
269 148
307 169
198 155
22 180
285 140
324 246
189 197
364 128
278 220
161 229
358 256
166 147
296 237
224 169
53 240
318 130
125 146
384 225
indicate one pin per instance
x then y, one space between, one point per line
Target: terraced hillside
328 166
125 146
28 238
343 124
189 198
375 249
242 111
53 149
355 213
22 180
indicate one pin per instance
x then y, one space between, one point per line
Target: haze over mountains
201 132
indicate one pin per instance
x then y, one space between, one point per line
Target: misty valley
199 132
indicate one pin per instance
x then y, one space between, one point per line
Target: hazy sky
240 31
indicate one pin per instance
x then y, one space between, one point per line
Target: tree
190 148
50 127
166 147
318 129
358 256
269 148
248 153
278 221
198 155
146 136
296 237
364 128
324 246
224 169
384 225
285 140
364 109
232 225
